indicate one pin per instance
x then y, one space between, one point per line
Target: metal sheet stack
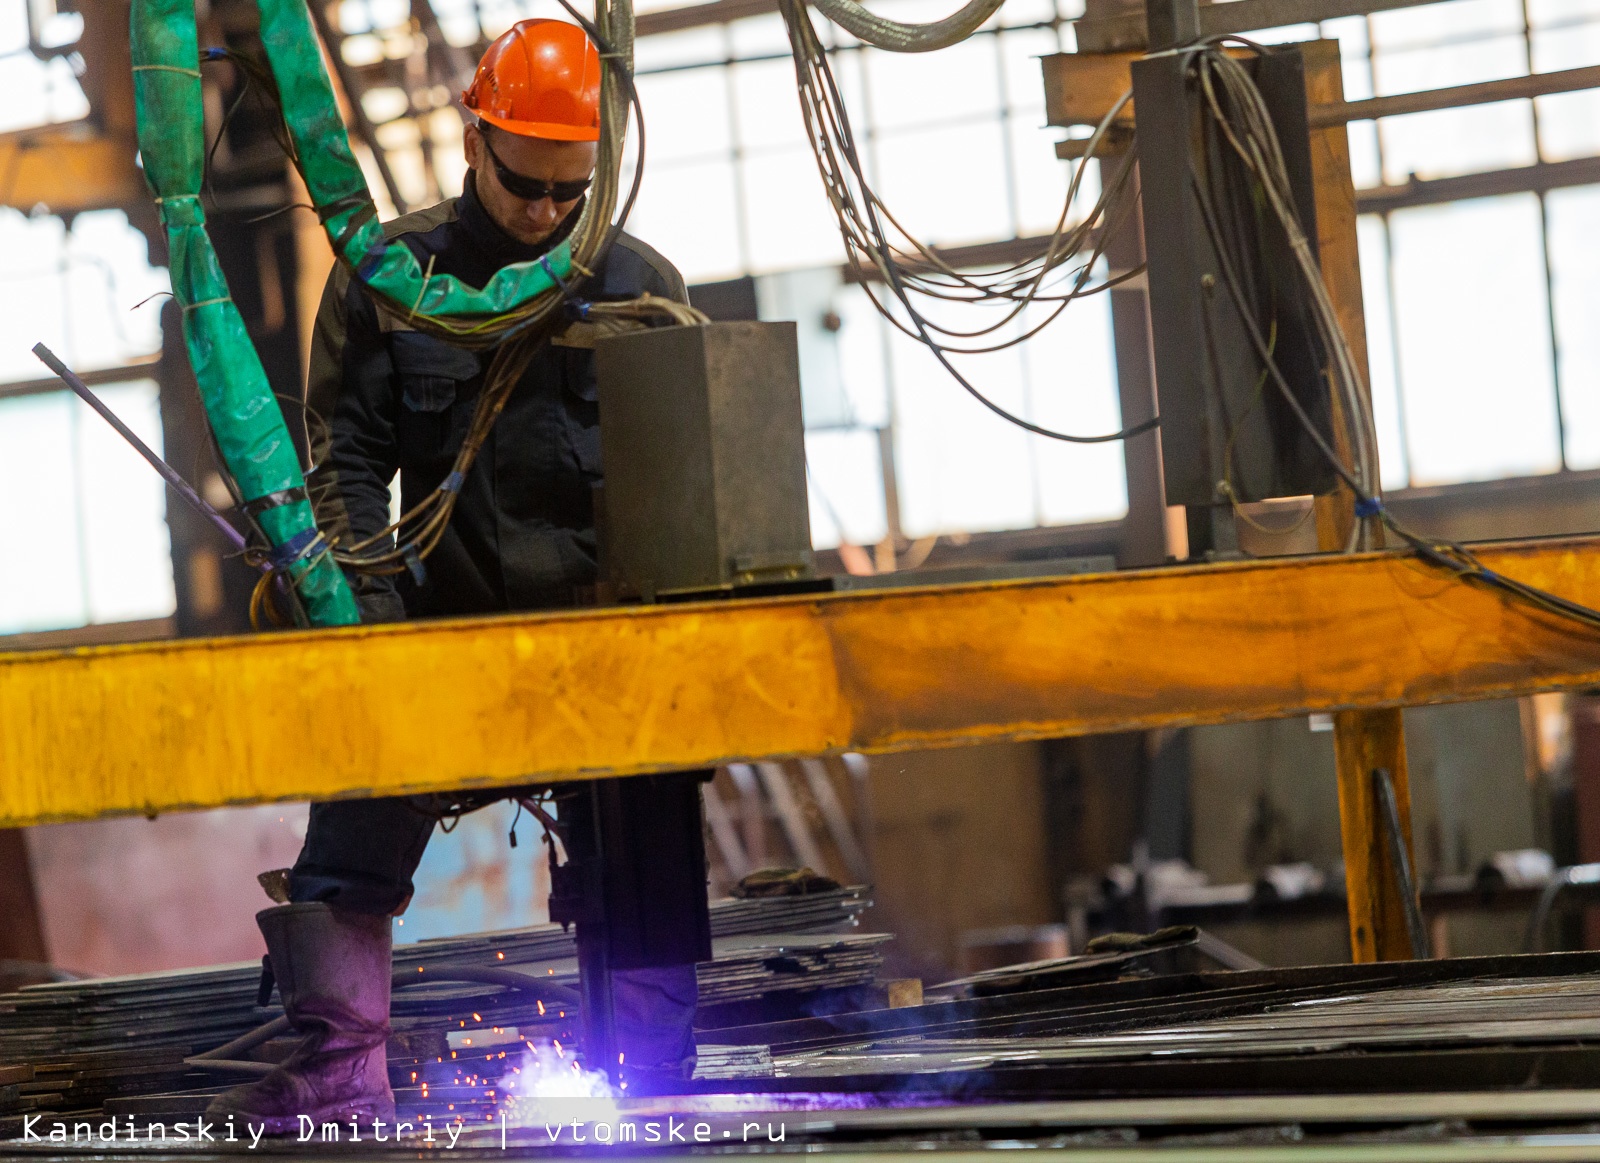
97 1040
746 968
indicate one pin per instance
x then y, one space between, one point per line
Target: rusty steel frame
369 710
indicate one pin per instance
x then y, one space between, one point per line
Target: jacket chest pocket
436 384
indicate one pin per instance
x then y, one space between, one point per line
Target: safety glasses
533 189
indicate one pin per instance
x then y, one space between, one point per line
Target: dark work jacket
384 397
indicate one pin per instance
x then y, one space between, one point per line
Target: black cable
833 142
280 210
216 142
1450 556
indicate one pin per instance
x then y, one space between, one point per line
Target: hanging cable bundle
1236 105
895 36
878 248
1237 108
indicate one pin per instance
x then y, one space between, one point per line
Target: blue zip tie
370 263
413 562
292 550
452 483
544 261
1368 507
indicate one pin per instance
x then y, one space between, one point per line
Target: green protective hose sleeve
244 415
339 189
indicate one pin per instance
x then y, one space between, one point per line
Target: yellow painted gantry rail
473 703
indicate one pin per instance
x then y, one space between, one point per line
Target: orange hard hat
541 78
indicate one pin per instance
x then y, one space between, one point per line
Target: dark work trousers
361 855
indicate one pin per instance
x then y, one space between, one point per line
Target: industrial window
82 518
1479 311
37 92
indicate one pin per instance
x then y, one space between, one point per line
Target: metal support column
1364 741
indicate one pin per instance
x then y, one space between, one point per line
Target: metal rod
1456 96
1390 808
169 474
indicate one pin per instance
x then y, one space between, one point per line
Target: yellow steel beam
496 701
69 169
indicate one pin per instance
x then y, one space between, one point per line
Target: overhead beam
70 169
1539 178
1127 30
1107 34
1082 87
1335 112
83 165
500 701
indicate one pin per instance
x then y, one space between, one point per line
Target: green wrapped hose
239 403
339 189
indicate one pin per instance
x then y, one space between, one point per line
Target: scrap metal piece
1394 836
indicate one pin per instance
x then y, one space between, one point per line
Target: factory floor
1147 1053
1425 1128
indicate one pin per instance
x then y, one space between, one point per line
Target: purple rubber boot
333 970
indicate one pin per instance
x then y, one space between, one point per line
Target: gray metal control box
704 452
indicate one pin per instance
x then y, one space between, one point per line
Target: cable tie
273 500
370 263
195 73
452 483
413 561
578 308
566 291
207 303
1368 507
427 277
354 200
295 548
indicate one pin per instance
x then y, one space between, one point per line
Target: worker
383 398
